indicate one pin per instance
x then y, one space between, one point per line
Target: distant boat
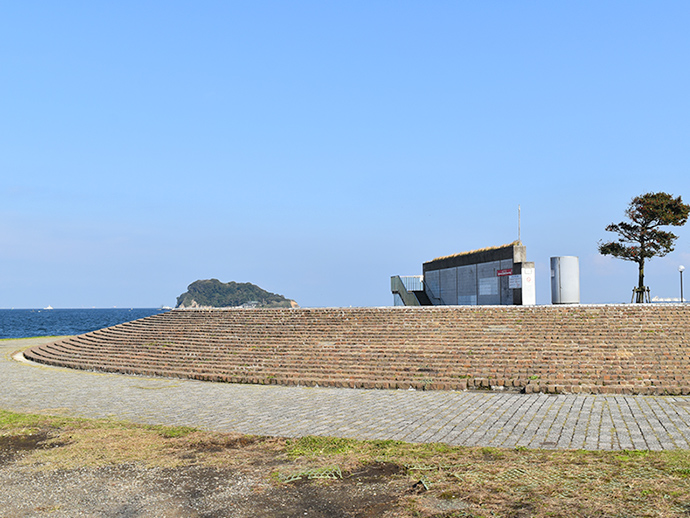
49 307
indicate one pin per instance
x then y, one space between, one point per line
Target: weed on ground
175 469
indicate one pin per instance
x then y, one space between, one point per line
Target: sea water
23 323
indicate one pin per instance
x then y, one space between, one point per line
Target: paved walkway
457 418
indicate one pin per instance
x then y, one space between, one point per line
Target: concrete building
490 276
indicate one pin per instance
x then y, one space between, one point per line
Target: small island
212 293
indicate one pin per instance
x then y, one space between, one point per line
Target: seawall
627 349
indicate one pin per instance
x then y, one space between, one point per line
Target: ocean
24 323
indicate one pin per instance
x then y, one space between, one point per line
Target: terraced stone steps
641 349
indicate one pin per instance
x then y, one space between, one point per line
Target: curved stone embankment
627 349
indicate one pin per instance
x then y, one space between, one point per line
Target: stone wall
630 349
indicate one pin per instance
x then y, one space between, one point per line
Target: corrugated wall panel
506 293
467 284
432 285
488 283
449 286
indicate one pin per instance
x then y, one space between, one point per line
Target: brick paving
472 418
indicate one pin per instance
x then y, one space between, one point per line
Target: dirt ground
128 491
247 490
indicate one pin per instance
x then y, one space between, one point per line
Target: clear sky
316 148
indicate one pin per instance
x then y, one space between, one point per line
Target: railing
399 286
413 282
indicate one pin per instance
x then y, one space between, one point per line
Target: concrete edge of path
22 344
17 355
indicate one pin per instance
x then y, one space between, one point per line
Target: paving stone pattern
604 349
482 418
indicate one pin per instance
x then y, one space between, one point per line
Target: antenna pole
519 237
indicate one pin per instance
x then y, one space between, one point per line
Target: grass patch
12 423
313 446
170 432
56 337
431 480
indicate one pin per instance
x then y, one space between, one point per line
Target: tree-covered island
216 294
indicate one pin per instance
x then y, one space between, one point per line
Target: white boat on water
49 307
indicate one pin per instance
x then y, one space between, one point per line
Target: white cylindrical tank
565 280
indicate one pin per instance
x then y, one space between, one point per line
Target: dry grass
485 249
522 482
438 481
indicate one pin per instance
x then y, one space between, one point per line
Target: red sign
503 273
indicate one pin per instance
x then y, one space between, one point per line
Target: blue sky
317 148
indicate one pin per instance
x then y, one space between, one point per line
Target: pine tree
641 238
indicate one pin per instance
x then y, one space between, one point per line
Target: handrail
413 282
398 286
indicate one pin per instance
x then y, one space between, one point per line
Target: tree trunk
640 283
